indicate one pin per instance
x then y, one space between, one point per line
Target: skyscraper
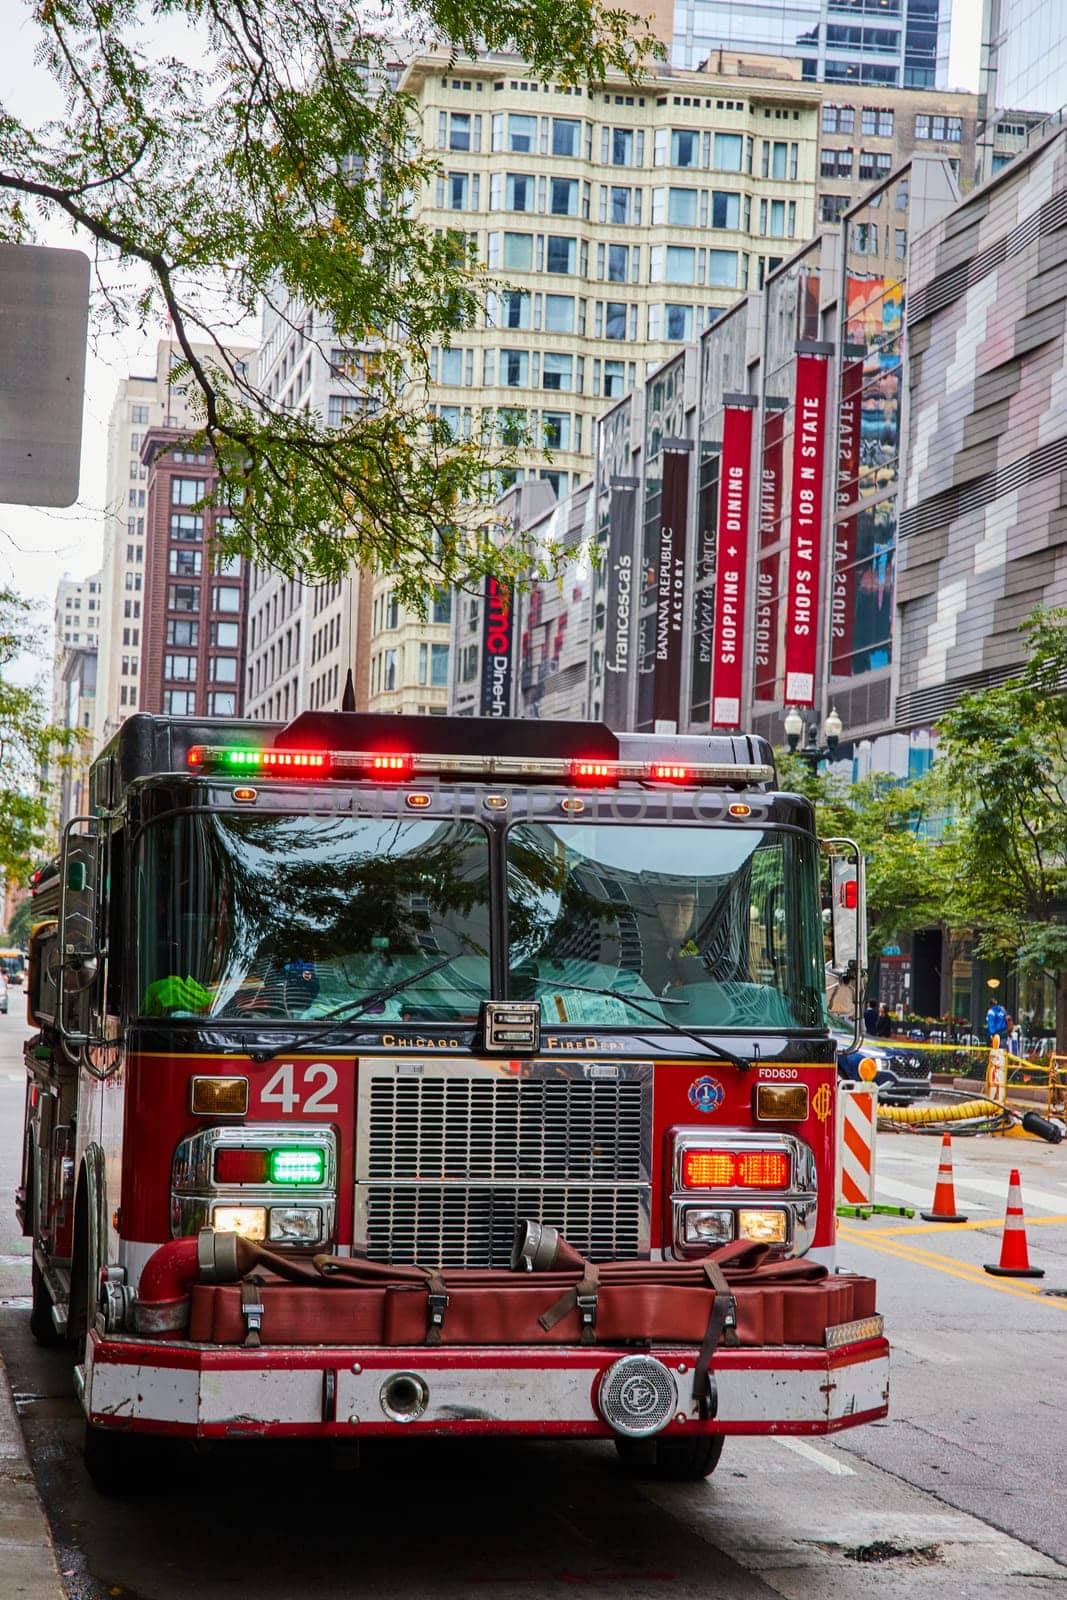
894 43
1024 56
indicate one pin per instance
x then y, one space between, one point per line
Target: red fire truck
442 1076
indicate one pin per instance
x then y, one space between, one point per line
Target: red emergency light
594 772
735 1169
669 772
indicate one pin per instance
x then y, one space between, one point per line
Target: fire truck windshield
716 925
298 916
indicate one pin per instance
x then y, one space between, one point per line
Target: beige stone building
621 219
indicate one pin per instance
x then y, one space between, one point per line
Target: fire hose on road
964 1114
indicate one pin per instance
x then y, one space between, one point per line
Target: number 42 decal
307 1099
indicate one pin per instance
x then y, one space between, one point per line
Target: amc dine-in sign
498 650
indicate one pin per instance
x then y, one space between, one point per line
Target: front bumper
202 1391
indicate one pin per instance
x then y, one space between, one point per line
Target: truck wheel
41 1325
672 1460
119 1464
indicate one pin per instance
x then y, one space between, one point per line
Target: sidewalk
27 1559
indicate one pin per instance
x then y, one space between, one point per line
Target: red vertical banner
768 567
670 590
731 567
805 531
843 596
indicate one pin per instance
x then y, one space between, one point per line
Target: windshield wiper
675 1027
349 1012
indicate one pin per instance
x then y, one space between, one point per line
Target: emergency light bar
386 766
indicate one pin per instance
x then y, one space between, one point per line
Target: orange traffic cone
1014 1257
944 1206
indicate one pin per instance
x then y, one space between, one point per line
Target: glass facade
1025 68
894 43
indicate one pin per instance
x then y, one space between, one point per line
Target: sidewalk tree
911 858
30 746
1002 757
218 155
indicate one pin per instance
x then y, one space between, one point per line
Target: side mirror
846 968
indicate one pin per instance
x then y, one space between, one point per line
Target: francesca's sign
805 537
731 567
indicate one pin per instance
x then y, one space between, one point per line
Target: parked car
3 994
903 1075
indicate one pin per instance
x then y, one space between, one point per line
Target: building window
835 164
838 119
515 368
563 197
459 132
559 313
522 134
180 669
519 191
184 632
561 254
876 123
678 322
223 669
184 563
138 416
187 491
342 406
618 208
441 610
556 370
833 206
439 666
566 136
722 269
614 379
179 702
222 705
875 164
182 597
556 426
727 152
225 599
518 252
621 146
186 525
685 147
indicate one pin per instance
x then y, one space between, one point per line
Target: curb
27 1556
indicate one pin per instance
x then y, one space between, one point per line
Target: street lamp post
812 752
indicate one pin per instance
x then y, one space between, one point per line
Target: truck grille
449 1160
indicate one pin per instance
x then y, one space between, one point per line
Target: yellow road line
964 1227
950 1268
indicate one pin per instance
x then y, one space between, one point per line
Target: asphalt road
961 1494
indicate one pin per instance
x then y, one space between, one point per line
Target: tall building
622 221
1024 57
195 599
302 639
141 401
77 616
892 43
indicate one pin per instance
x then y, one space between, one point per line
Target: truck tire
41 1325
672 1460
119 1464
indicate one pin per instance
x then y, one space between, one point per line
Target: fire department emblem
822 1102
706 1094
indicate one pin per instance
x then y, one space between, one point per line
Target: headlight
249 1221
296 1224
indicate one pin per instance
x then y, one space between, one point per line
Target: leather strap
705 1396
252 1311
581 1298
